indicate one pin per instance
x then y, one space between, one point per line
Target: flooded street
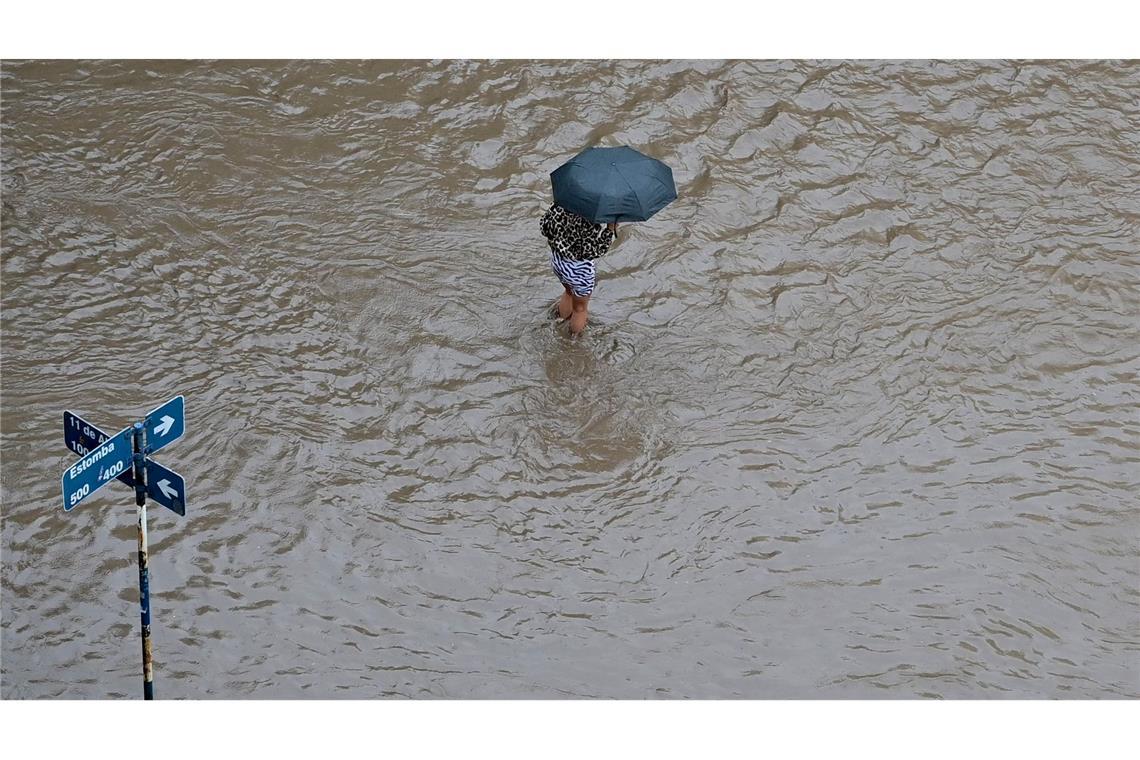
854 417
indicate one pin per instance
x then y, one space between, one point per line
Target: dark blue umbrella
613 185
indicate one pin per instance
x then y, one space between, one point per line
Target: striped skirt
579 276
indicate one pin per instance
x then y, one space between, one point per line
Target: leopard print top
575 237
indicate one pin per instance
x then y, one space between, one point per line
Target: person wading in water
575 242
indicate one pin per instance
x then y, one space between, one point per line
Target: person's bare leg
579 314
565 305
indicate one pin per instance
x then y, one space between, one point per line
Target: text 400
112 471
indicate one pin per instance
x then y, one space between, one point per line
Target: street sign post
139 435
123 456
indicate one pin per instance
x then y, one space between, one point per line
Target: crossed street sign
82 437
105 458
165 425
125 456
103 464
166 487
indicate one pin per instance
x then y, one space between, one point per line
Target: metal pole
144 572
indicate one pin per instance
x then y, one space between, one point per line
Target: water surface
855 417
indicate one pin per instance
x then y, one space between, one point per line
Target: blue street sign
82 437
112 458
166 487
165 425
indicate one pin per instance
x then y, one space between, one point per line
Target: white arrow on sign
166 487
164 427
167 491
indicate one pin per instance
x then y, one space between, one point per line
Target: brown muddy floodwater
856 416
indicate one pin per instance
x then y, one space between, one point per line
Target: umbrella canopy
613 185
